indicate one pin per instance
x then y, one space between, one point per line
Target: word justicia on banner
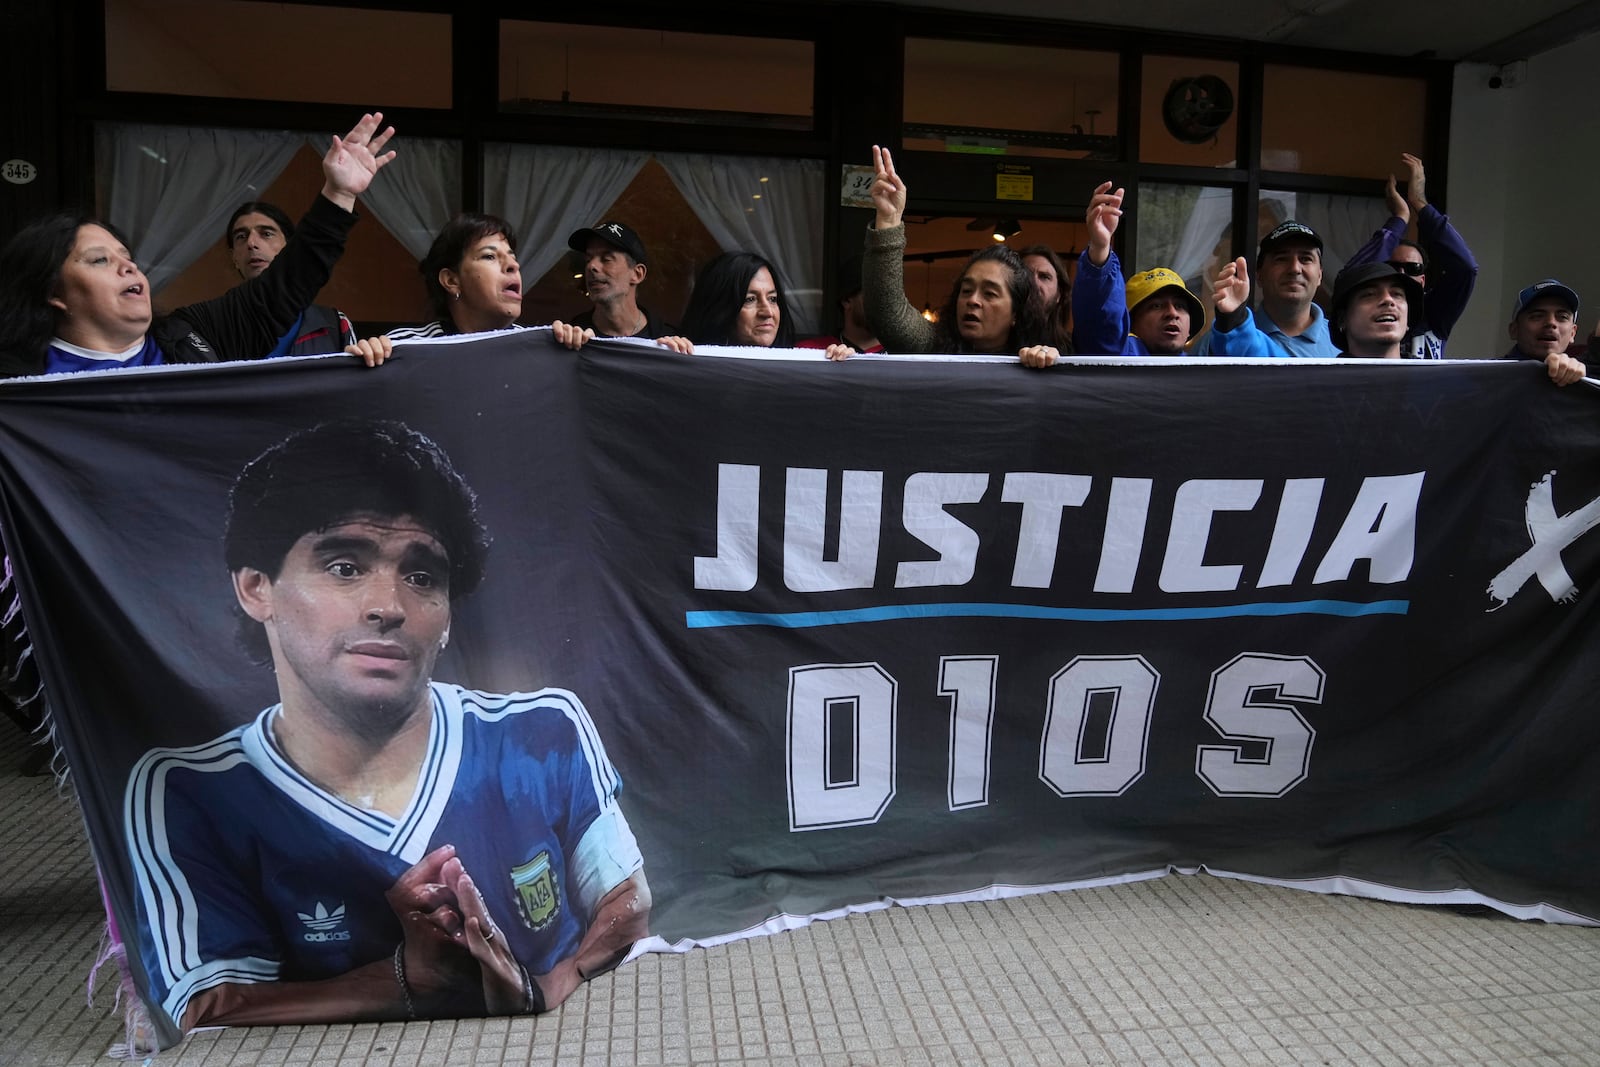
1378 525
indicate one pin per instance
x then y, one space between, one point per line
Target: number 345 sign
18 171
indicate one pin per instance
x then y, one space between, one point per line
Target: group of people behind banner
73 298
318 527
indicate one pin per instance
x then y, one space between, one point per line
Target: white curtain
1344 223
417 193
769 206
546 192
170 189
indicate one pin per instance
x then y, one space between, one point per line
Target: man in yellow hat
1155 314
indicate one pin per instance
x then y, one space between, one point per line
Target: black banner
890 629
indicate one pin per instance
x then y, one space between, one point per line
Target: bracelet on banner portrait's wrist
400 979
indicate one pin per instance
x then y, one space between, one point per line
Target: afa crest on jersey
538 896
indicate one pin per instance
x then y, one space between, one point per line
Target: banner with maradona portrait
432 690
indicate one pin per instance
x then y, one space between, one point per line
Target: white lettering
1297 514
927 520
805 522
1124 540
1103 756
1239 708
841 744
738 505
1381 527
1043 497
969 682
1184 569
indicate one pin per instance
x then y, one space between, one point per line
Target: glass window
556 69
1306 121
1005 99
267 51
1190 109
1186 228
685 208
375 282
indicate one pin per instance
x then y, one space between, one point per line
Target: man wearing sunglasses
1439 261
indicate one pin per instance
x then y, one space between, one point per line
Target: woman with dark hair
72 298
1055 291
473 280
736 301
474 285
993 308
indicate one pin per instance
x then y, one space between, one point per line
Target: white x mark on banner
1551 533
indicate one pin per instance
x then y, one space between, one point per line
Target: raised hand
1416 182
888 191
1101 218
1397 203
352 160
1231 288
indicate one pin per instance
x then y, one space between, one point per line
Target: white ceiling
1494 31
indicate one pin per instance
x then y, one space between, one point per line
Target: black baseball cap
616 234
1286 231
1352 278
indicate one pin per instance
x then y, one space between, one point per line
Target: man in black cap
1544 323
614 266
1289 266
1375 306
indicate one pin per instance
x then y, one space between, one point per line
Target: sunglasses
1407 267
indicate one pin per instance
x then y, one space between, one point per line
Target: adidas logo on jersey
322 924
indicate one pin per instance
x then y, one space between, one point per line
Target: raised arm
1099 299
883 288
1235 333
247 320
1381 245
1452 272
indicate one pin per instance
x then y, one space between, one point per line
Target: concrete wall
1525 187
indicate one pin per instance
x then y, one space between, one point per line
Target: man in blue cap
1544 323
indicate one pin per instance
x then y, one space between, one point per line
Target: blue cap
1548 287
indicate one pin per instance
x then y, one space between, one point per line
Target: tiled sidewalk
1177 971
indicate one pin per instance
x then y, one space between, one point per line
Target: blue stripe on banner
797 620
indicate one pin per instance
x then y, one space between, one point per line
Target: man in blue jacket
1155 314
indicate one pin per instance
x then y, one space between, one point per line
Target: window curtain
416 194
546 192
170 189
769 206
1344 223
